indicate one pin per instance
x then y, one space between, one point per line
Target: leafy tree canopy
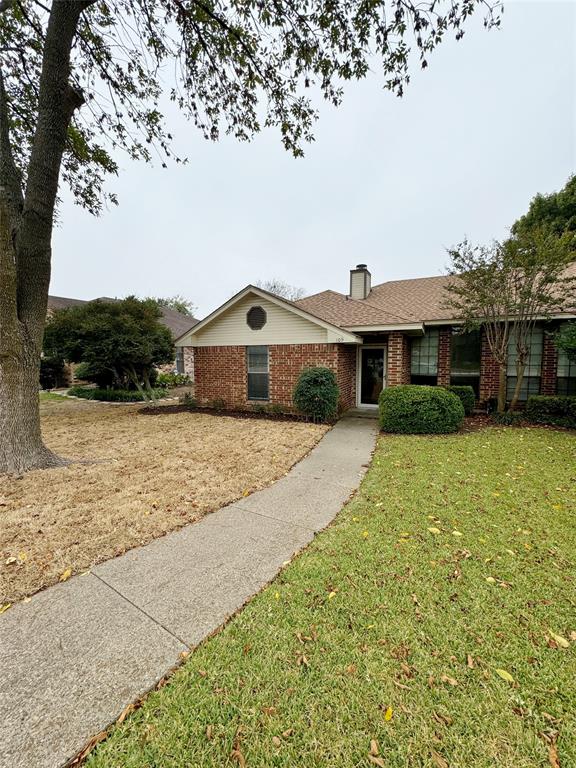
232 67
556 212
124 338
177 303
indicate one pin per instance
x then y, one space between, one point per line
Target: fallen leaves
388 715
66 575
557 641
438 760
505 675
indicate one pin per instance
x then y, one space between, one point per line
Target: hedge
316 394
557 410
416 409
111 395
466 394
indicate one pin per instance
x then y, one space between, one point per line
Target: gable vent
256 318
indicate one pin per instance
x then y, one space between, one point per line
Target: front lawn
425 628
143 475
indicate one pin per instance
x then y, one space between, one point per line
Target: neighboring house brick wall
220 372
398 359
549 381
444 356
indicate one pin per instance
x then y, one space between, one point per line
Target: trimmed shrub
507 419
111 395
558 410
466 394
316 394
173 380
420 410
103 378
218 404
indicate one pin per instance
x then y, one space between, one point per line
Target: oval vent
256 318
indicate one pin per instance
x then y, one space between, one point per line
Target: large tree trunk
21 446
520 368
25 244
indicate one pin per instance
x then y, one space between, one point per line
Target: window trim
258 373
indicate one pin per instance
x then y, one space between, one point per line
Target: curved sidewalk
77 654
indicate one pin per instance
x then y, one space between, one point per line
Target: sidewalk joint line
277 519
138 608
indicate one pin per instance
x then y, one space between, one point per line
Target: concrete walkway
78 653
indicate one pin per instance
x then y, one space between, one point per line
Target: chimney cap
361 266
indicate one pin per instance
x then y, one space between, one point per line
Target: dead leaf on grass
66 575
449 680
438 760
377 761
560 641
374 748
505 675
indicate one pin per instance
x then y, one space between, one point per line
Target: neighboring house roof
397 302
176 322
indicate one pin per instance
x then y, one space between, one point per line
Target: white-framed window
533 369
566 374
257 362
424 358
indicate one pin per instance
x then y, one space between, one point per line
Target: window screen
424 358
566 374
258 373
531 379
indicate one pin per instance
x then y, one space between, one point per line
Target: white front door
372 374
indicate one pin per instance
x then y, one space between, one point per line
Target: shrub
52 372
189 401
259 408
316 394
219 404
559 411
111 395
173 380
507 419
415 409
466 394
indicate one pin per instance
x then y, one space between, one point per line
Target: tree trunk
520 368
502 387
21 446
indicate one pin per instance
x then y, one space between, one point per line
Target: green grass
381 612
45 396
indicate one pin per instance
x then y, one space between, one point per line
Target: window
258 373
180 360
424 358
256 318
531 380
465 359
566 382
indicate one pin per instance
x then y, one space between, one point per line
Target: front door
372 368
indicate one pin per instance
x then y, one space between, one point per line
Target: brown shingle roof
418 300
176 322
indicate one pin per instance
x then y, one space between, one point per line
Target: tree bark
25 245
520 368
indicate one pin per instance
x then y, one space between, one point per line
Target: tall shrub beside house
414 409
316 394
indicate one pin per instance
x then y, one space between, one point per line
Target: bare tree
82 80
282 289
505 288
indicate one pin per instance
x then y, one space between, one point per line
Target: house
176 322
252 349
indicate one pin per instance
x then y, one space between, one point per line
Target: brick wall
444 356
398 359
549 381
489 371
220 372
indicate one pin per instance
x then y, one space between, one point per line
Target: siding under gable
282 327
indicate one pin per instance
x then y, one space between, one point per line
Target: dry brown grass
154 473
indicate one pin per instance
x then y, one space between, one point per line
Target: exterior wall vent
256 318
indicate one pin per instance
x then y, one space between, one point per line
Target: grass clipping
149 475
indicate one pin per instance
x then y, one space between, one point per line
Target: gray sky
390 182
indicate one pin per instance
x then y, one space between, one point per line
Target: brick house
176 322
252 349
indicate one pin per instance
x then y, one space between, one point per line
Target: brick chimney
360 282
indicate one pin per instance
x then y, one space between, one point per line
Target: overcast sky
390 182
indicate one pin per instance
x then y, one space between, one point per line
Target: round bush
316 394
420 410
466 394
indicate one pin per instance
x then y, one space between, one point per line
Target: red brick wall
549 382
444 356
398 360
489 371
220 372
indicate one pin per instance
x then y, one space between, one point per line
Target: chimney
360 282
